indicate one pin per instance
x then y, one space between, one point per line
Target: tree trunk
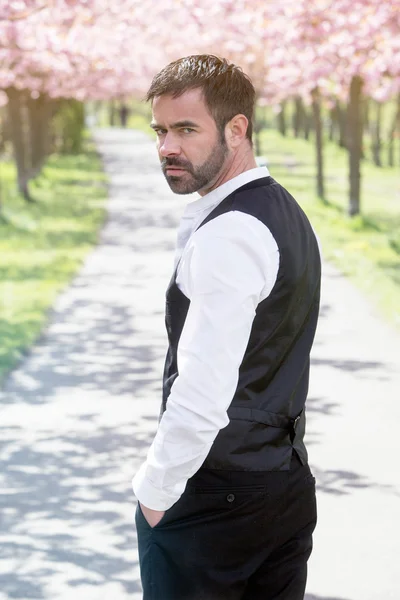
112 113
355 135
376 136
316 108
367 114
39 111
308 123
282 119
342 122
18 130
332 123
5 130
75 121
257 141
298 116
258 126
392 132
68 126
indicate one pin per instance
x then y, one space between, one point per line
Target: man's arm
228 264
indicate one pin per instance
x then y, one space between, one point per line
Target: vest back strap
245 413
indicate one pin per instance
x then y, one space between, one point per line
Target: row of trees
37 126
382 133
377 137
325 54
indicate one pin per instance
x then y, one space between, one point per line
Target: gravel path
79 413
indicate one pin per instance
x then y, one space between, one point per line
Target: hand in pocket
153 517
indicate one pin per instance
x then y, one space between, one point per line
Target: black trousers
232 536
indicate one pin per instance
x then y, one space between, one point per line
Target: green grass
43 244
367 247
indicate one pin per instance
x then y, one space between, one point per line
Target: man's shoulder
261 190
265 199
231 225
275 207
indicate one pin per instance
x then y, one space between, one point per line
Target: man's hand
153 517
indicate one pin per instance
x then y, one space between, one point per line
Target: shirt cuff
148 494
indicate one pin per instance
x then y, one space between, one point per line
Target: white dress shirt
225 268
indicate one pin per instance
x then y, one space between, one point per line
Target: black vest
267 417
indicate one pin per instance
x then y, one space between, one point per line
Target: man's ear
235 131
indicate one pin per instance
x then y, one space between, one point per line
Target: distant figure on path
124 114
226 498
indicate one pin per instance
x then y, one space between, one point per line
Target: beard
195 178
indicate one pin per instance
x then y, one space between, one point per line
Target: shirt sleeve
229 265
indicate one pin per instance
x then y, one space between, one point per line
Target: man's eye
187 130
160 132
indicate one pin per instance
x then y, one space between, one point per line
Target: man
226 498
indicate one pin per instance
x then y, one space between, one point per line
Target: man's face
189 145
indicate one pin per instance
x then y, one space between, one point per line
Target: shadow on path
342 482
65 508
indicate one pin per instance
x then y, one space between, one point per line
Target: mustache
175 162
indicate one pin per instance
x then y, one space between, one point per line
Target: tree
395 126
316 108
344 48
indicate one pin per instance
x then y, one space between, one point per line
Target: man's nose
169 146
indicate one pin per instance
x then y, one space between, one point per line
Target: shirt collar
216 196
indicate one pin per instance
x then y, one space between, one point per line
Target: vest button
230 497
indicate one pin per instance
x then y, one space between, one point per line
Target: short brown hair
227 90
